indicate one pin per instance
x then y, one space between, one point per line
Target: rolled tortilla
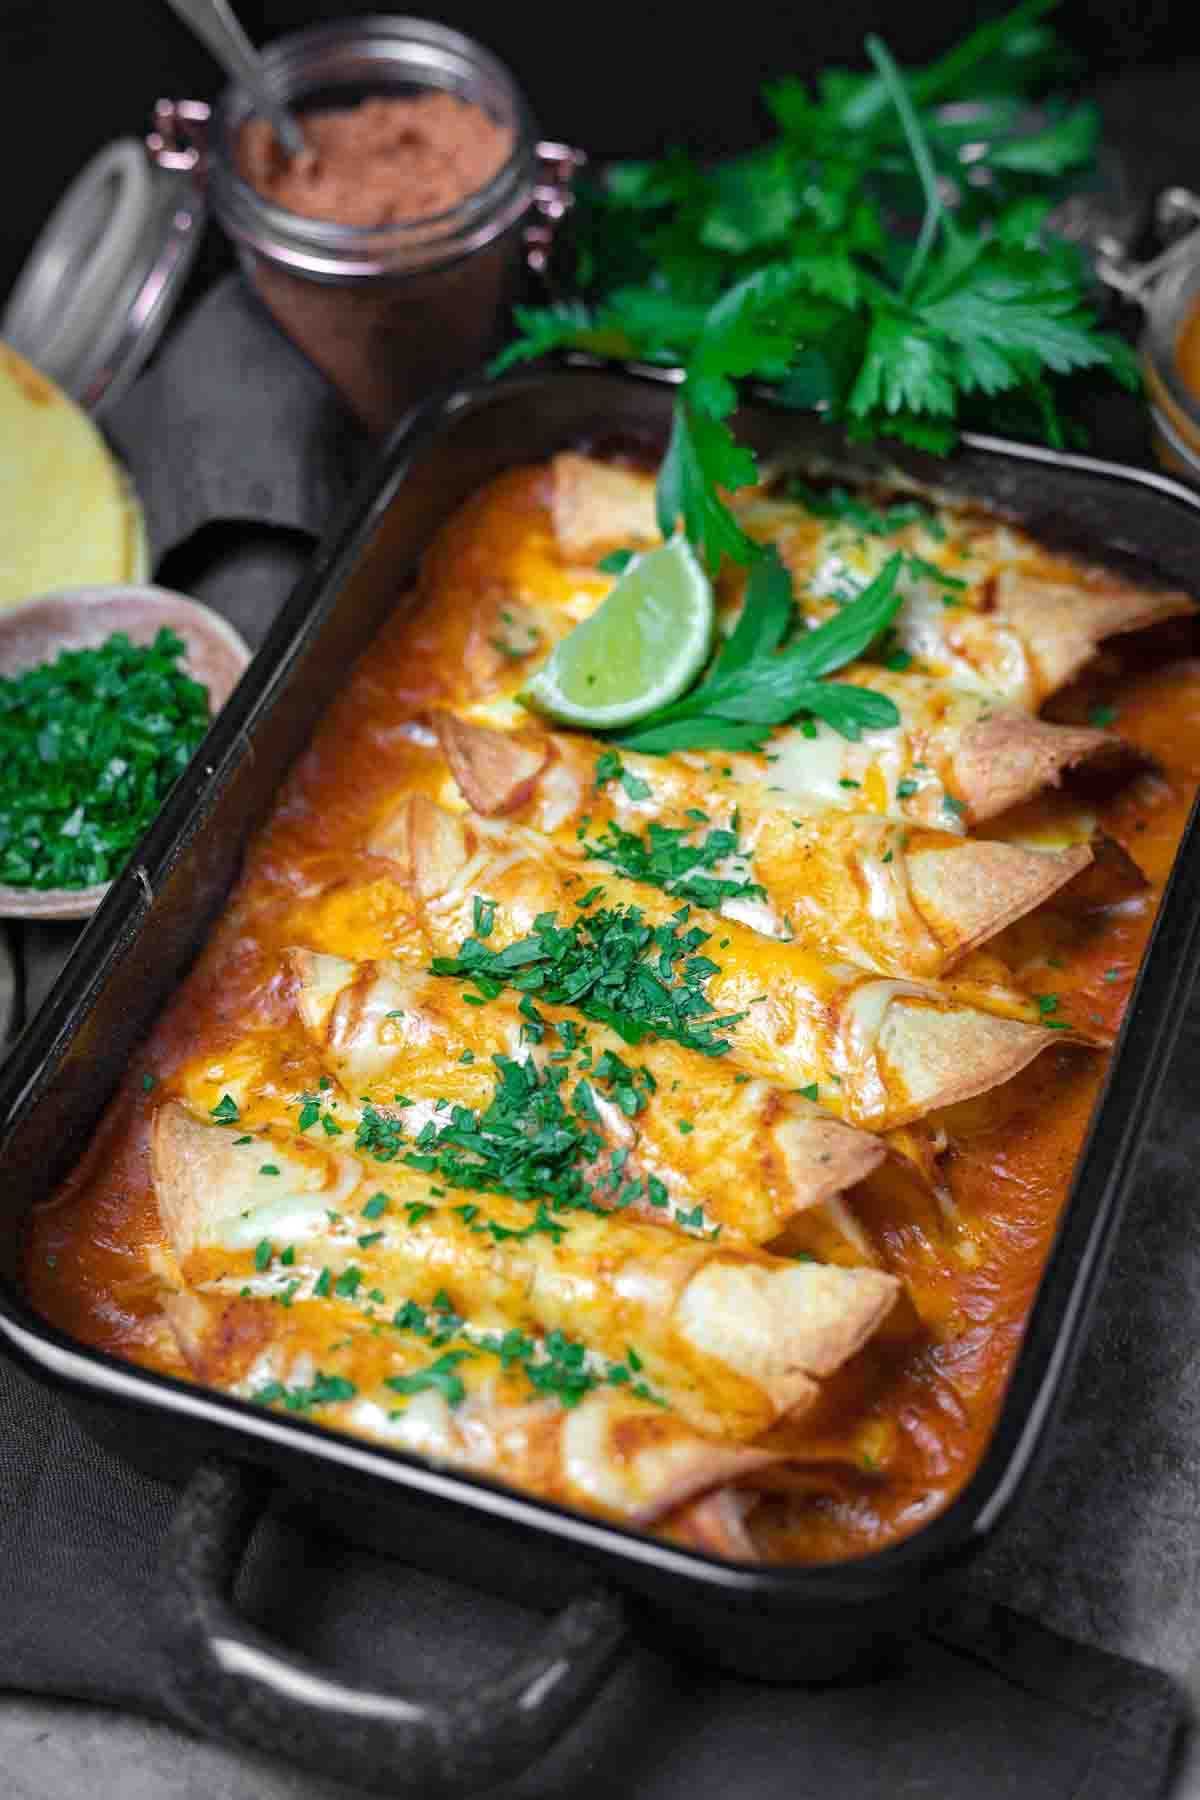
731 1339
598 506
613 1453
753 1155
985 606
956 760
879 1052
845 884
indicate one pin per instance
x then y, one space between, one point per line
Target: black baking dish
783 1622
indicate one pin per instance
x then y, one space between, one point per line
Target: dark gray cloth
991 1705
232 426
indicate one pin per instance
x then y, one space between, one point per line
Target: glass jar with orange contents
388 252
1168 291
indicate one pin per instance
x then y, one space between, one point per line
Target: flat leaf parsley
785 265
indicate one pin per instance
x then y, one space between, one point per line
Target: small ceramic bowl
82 618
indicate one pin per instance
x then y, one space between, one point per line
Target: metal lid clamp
109 266
1177 224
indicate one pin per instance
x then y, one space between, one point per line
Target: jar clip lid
1177 221
106 272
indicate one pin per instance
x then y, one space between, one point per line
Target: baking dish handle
222 1676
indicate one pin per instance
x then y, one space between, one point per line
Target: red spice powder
383 162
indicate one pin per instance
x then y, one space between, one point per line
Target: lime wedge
639 650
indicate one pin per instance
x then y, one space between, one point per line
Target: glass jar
388 313
1167 289
1172 386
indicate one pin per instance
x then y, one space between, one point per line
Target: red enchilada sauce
900 1428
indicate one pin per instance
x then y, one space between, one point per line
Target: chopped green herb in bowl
94 735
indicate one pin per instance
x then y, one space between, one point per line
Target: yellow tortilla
68 517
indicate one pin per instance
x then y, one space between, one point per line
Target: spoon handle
215 24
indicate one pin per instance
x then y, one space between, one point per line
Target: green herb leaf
438 1378
776 265
764 688
616 562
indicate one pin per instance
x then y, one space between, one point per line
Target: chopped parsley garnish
663 857
326 1390
609 767
528 1143
439 1378
484 916
1100 716
262 1254
90 745
147 1083
379 1135
323 1283
555 1366
375 1206
310 1112
918 567
906 788
956 808
852 510
1046 1003
225 1112
1112 975
809 1093
539 1139
616 562
268 1168
643 980
346 1285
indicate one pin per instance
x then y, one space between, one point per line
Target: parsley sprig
756 681
555 1365
786 265
663 857
324 1390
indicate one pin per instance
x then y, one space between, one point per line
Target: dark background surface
622 77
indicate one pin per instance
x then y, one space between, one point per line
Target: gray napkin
234 425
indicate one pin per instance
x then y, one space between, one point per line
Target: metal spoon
216 26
